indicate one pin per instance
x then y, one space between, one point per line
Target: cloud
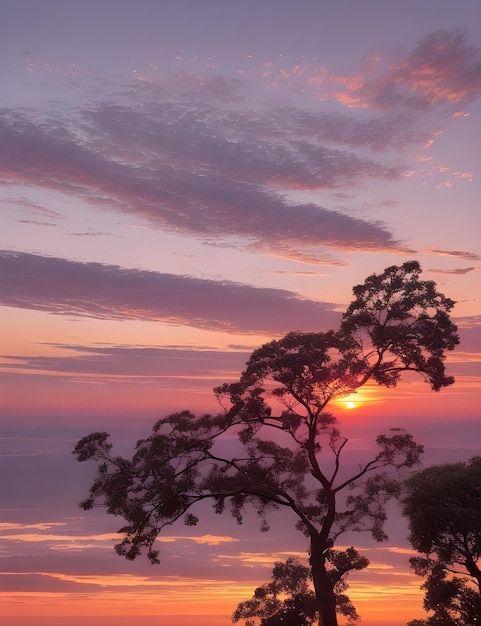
76 540
265 559
198 157
470 335
459 254
91 234
443 69
210 540
117 585
298 273
459 270
64 287
193 156
121 362
5 526
36 223
34 208
37 537
205 170
41 582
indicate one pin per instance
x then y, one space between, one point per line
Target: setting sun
351 401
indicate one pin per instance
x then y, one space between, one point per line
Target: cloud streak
457 254
101 291
459 271
144 365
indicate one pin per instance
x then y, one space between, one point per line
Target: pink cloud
457 254
443 69
459 270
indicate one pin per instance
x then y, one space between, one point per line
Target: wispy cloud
443 69
149 363
459 270
210 540
7 526
458 254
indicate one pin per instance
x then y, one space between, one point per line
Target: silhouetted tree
289 599
443 506
396 322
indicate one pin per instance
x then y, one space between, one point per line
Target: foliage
396 323
443 506
290 599
287 599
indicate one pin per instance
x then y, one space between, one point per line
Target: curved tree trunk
323 586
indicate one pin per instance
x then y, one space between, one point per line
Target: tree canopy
443 506
278 412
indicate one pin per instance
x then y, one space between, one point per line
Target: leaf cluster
443 507
451 600
289 597
399 322
157 486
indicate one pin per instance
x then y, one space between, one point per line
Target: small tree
289 598
396 322
443 506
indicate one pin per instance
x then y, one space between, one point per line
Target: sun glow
351 401
367 397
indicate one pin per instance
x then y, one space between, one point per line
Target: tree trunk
472 567
323 586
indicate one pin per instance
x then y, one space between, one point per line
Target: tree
289 598
443 506
396 323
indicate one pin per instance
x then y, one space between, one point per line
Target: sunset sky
182 181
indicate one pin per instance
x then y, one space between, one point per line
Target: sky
179 184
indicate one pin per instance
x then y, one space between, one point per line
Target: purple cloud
459 270
205 171
470 335
144 364
443 69
458 254
63 287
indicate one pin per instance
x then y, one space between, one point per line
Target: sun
353 400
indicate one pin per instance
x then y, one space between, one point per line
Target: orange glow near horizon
54 396
396 603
